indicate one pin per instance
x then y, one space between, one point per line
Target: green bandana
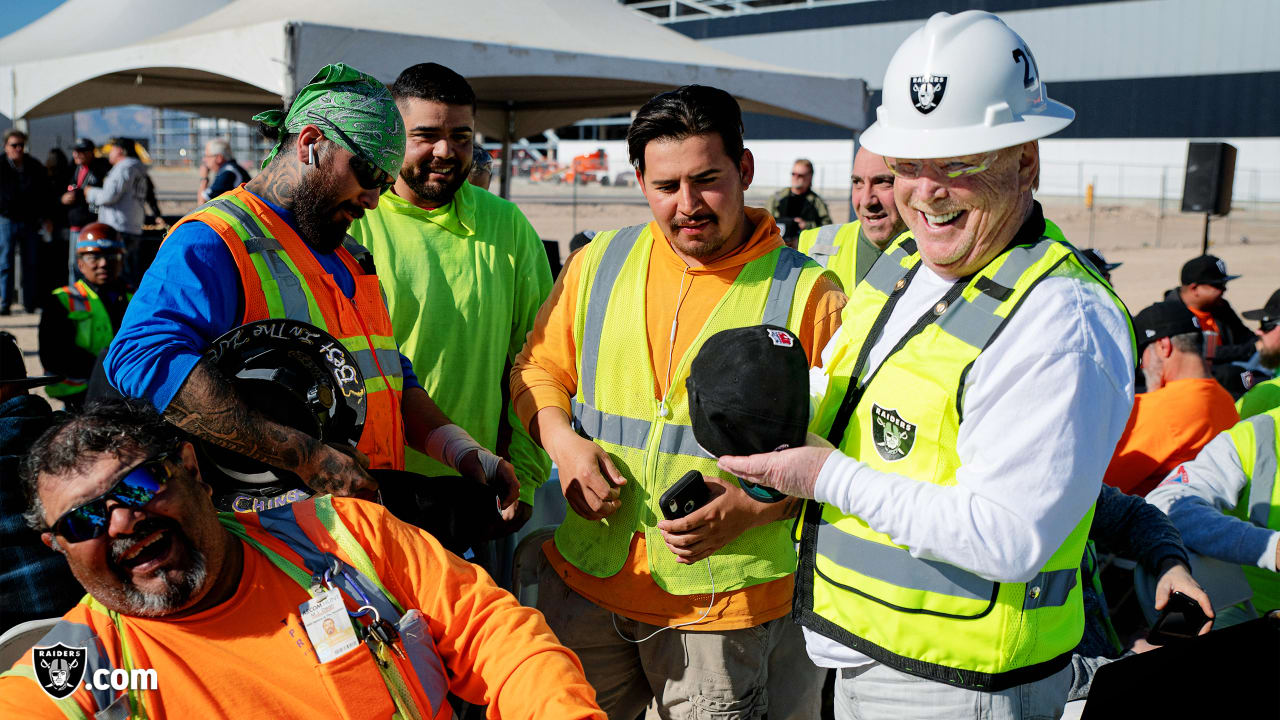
358 104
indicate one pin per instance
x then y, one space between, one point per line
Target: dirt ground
1151 247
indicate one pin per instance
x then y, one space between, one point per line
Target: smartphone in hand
1181 618
688 494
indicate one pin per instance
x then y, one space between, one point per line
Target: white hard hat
960 85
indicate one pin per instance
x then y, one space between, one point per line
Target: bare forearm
421 416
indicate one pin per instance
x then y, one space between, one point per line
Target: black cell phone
688 494
1181 618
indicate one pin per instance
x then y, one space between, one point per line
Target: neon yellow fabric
1261 397
93 328
979 626
480 270
624 387
1265 583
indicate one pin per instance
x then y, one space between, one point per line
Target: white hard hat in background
960 85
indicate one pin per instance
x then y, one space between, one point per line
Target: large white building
1144 76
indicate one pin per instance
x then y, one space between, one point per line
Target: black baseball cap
1164 319
1095 257
1268 314
749 393
84 144
1206 270
13 370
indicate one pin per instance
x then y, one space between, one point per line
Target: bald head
873 201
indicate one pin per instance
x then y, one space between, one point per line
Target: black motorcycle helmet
297 375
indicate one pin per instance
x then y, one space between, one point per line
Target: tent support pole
508 133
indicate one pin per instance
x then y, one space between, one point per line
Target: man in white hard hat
976 391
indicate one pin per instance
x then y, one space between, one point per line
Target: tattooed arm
207 406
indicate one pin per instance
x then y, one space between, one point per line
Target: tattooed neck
278 182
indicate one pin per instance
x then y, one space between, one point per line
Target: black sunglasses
134 490
368 174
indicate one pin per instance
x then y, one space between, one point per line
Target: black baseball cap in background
1268 314
1161 320
1206 270
13 370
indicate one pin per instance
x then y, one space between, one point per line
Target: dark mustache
124 543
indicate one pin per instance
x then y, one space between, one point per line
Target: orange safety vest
281 278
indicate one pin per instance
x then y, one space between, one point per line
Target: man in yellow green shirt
464 274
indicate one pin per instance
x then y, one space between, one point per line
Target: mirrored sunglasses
948 167
134 490
368 174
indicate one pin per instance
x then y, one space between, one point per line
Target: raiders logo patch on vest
927 91
892 435
59 669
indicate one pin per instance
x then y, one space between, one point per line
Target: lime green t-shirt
464 283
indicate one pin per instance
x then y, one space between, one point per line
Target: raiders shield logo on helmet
893 436
59 669
927 90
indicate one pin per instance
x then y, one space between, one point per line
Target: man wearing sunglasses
224 608
975 394
274 249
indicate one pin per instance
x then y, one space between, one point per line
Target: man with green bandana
274 248
473 259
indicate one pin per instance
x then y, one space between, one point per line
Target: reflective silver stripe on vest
634 432
974 322
896 567
610 428
824 247
887 271
1050 588
601 287
292 296
389 359
786 275
76 635
1262 484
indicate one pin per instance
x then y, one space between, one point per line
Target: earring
311 154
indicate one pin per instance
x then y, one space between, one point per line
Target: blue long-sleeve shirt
190 296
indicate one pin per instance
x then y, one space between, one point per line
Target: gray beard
175 594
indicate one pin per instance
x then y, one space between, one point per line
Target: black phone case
1179 603
688 494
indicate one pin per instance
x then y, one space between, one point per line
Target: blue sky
133 121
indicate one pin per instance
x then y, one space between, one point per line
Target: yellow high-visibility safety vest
837 248
86 311
855 585
652 444
1258 446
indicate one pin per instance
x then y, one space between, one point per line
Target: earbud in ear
311 154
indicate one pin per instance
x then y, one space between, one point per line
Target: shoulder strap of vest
824 246
606 276
1262 483
786 276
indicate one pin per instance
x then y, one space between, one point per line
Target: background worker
1104 268
24 201
706 596
464 274
1226 504
219 171
121 201
1181 411
1229 344
849 250
798 207
975 395
337 148
79 320
215 606
481 167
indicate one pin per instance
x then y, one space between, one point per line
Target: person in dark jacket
90 171
24 206
35 581
1229 344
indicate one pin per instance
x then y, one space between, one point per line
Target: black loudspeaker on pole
1211 170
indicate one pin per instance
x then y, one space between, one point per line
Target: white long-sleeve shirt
121 198
1197 495
1043 406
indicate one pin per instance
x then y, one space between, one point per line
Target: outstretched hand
793 471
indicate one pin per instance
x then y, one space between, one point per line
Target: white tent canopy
534 64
